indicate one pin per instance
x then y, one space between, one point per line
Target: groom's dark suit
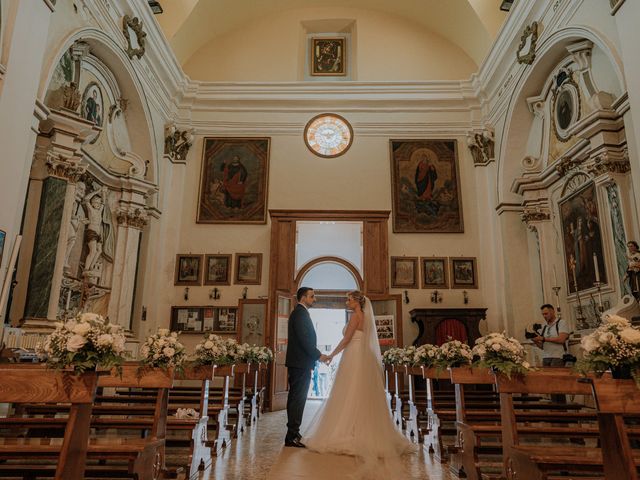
301 358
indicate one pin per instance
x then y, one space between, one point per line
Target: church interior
173 171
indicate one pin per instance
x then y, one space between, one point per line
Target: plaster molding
51 4
60 167
132 217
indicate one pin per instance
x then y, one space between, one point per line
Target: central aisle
260 455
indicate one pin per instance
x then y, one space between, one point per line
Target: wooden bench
34 383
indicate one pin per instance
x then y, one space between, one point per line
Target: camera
532 330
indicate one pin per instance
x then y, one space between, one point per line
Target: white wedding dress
355 419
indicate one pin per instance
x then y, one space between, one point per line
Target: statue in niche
77 217
98 234
633 269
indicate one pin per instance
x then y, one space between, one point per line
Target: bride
355 419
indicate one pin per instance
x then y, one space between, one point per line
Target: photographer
552 339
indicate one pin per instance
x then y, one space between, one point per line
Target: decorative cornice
615 5
132 217
535 215
566 165
605 164
59 167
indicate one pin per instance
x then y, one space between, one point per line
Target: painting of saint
92 105
233 181
564 109
425 186
327 56
582 239
434 272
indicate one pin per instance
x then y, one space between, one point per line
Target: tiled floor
259 455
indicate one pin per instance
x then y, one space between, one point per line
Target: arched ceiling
191 24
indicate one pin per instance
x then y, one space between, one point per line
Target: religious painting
217 269
92 104
188 269
248 269
434 272
234 180
404 272
253 320
582 238
464 272
425 186
328 56
3 236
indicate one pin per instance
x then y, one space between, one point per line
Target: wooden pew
541 461
34 383
615 399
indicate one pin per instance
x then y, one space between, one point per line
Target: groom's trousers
299 380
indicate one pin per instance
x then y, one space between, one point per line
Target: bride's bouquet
453 353
501 353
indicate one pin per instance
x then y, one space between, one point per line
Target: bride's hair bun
359 297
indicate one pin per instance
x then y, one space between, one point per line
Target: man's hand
538 340
325 358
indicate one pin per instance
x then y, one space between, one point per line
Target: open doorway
329 324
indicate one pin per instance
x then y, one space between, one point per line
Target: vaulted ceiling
470 24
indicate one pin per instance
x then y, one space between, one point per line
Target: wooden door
279 384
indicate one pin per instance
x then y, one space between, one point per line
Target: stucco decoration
132 29
527 49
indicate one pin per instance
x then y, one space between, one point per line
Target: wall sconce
406 296
245 291
436 297
465 297
186 293
214 294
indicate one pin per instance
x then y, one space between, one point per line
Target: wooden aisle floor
260 455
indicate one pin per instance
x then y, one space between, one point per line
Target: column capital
132 217
59 167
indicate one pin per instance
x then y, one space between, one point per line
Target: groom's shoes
294 443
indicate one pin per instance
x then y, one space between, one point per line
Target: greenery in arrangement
502 354
615 345
453 353
163 350
84 343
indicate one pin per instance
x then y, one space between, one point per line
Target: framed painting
464 272
248 269
582 239
425 186
92 104
253 320
328 56
434 272
404 272
217 269
234 180
188 270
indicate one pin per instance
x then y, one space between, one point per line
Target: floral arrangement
163 350
214 349
614 345
395 356
84 343
501 353
252 354
187 413
426 355
453 353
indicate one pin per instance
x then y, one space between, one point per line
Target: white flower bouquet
426 355
614 345
453 353
163 350
216 350
502 354
394 356
84 343
252 354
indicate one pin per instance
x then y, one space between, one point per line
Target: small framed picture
404 272
217 269
435 273
248 269
328 56
188 269
464 272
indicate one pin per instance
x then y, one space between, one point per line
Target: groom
302 355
